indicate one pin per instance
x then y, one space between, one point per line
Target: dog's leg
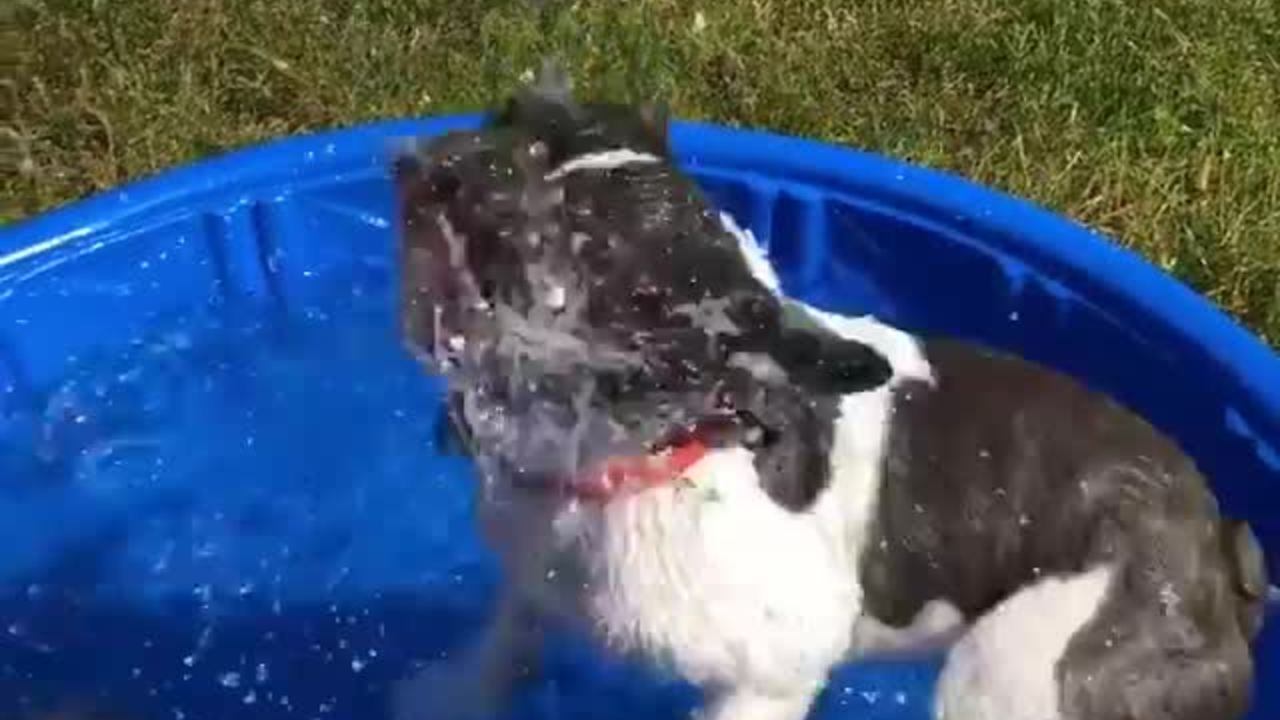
1081 648
478 683
747 703
1005 666
1161 651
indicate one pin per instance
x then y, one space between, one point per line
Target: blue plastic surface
218 492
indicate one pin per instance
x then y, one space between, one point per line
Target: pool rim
1025 230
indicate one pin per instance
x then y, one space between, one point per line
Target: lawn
1156 121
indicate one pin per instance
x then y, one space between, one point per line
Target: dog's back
1001 474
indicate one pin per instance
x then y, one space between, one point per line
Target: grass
1157 121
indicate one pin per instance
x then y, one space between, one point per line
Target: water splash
232 464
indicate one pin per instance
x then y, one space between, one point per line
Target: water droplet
557 297
204 593
229 679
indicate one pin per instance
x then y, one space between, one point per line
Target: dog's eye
801 349
756 435
648 301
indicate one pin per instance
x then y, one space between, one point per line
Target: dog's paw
446 691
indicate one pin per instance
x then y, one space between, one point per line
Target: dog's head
583 298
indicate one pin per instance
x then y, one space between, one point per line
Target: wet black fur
1005 473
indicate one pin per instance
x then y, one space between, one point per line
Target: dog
748 490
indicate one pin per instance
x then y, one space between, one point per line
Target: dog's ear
550 90
655 119
826 363
543 109
406 169
507 114
425 186
810 354
421 252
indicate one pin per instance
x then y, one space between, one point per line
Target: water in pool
250 520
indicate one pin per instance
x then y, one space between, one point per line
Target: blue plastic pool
218 492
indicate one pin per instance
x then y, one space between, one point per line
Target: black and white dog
749 490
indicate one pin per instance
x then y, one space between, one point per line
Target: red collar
624 475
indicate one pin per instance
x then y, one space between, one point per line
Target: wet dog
748 490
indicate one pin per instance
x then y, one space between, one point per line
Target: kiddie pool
218 487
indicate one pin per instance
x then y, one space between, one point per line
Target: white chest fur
717 581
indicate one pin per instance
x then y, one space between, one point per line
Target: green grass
1157 121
